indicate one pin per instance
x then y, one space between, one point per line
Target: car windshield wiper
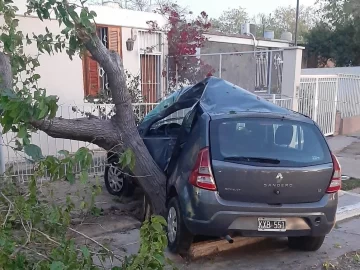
253 159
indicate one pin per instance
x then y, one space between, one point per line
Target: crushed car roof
216 97
222 97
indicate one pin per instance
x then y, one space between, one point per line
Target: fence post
166 88
273 98
333 124
220 66
291 74
316 100
270 72
2 160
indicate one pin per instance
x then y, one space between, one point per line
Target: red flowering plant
184 37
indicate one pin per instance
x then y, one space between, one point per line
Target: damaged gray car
237 164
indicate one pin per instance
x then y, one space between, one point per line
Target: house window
151 48
95 78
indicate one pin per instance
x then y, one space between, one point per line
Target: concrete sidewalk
347 150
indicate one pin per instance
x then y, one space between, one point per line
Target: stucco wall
62 77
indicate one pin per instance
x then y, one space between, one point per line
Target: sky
252 6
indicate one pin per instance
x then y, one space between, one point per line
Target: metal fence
321 96
258 71
318 100
348 95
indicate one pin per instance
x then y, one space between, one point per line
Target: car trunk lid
274 161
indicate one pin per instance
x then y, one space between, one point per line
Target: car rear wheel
117 183
179 237
306 243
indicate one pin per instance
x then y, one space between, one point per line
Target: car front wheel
306 243
179 237
117 183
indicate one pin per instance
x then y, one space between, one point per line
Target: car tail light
335 184
201 175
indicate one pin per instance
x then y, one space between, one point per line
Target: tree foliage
184 38
283 19
337 36
230 21
35 234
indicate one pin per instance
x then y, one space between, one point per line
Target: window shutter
91 76
91 67
115 39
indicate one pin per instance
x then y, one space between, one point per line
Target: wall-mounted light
130 42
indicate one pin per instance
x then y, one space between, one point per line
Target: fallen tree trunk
117 134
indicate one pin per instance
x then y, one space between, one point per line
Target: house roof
218 33
109 15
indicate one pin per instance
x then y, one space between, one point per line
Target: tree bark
5 72
117 134
149 175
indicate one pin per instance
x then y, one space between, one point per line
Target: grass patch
350 184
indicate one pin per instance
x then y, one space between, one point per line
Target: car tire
117 183
306 243
179 237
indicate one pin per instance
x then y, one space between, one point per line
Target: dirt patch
348 261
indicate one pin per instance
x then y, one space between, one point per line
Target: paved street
274 255
347 149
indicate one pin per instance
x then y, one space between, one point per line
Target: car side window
188 121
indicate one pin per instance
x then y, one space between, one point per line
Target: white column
292 58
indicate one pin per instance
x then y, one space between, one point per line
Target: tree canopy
337 36
230 20
281 20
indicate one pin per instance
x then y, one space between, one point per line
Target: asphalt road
273 254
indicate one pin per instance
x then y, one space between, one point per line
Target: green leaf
70 177
56 265
84 175
64 153
8 93
159 219
22 132
85 252
82 205
33 151
157 227
44 111
160 258
26 141
36 77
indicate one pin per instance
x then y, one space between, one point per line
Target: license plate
271 224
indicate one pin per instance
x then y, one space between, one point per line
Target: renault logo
279 177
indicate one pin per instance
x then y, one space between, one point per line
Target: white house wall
64 78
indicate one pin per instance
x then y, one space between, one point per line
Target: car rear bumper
211 215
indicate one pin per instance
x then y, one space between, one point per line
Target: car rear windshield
268 142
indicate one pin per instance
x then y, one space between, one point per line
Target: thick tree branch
113 66
92 130
5 72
